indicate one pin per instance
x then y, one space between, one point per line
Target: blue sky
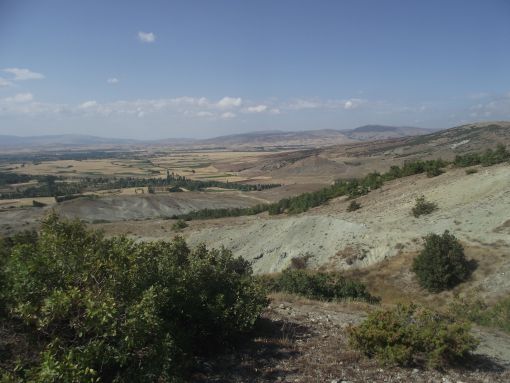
151 69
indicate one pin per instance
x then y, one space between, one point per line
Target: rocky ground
305 341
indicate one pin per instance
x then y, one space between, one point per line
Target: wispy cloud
353 103
256 109
227 115
300 104
146 37
494 106
20 97
113 80
224 108
22 74
303 104
88 104
4 83
229 102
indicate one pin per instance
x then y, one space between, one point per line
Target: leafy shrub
353 206
179 225
413 335
493 157
465 160
109 309
488 158
434 170
318 285
441 265
423 207
478 311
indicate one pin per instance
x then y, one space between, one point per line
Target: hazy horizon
197 69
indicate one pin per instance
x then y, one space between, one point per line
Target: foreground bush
413 335
423 207
441 265
103 310
318 285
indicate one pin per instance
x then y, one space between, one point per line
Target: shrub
179 225
434 170
318 285
423 207
493 157
110 309
353 206
478 311
441 265
413 335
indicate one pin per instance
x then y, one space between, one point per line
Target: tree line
53 186
354 188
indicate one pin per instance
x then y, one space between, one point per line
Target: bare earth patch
299 340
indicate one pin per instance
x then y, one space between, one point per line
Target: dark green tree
441 265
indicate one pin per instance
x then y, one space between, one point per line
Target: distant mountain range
308 138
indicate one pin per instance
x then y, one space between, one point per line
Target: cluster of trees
353 188
8 178
488 158
301 203
84 308
52 186
62 156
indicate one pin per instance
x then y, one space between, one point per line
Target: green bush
179 225
423 207
318 285
353 206
102 309
412 335
441 265
479 312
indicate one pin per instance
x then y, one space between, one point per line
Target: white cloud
146 37
21 74
112 80
256 109
498 106
20 97
228 115
4 83
229 102
204 113
353 103
303 104
88 104
478 95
